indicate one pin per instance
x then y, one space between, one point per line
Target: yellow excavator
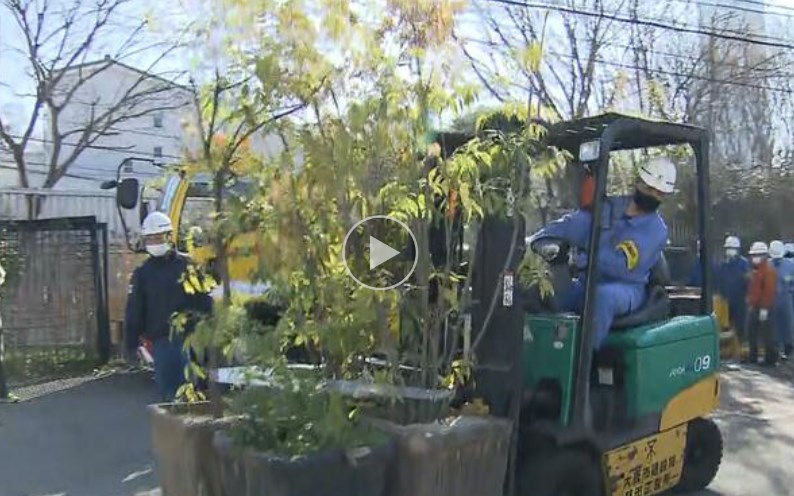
187 200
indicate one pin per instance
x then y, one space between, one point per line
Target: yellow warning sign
648 466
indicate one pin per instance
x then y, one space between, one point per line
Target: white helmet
156 223
659 173
759 248
732 242
777 249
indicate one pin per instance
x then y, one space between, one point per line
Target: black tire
702 457
560 473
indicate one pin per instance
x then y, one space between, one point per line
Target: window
158 119
158 152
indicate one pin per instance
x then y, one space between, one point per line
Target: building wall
145 136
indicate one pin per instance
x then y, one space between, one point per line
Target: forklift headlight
589 151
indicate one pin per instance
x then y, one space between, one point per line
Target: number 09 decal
702 363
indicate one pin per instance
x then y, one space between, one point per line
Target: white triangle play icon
379 252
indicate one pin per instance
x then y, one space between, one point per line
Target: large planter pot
360 472
182 434
466 456
399 404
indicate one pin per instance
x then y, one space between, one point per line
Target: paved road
93 440
757 420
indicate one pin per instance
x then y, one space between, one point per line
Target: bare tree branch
56 44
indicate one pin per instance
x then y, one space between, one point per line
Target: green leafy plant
296 418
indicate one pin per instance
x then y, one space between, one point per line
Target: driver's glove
549 251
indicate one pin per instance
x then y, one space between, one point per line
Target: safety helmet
732 242
759 248
156 223
659 173
777 249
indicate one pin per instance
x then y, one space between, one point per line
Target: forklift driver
632 240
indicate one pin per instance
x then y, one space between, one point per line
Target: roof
631 132
111 61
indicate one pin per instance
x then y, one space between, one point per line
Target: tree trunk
35 204
3 385
223 272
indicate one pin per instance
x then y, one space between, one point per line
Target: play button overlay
379 252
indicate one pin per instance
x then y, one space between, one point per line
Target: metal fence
55 300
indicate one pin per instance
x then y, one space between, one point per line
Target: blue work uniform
783 315
156 293
731 281
629 248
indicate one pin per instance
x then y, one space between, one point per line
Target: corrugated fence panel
57 204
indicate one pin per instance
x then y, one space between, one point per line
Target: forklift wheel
560 473
703 455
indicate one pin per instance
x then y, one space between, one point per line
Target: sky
164 16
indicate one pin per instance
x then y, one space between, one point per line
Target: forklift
631 418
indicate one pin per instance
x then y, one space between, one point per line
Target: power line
763 11
766 5
70 175
740 31
645 22
659 71
102 148
104 172
757 68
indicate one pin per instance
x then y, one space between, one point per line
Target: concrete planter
182 435
360 472
466 456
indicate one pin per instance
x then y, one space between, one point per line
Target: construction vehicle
633 417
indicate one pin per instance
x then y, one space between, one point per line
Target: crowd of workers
760 295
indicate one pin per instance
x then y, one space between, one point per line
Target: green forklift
632 418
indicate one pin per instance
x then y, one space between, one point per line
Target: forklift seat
657 304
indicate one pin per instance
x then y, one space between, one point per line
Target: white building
141 116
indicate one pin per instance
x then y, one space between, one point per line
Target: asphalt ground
93 438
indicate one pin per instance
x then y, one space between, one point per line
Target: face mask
158 250
731 253
757 260
646 203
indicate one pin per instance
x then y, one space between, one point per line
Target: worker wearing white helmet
732 246
157 292
631 245
731 283
789 250
783 316
156 232
761 296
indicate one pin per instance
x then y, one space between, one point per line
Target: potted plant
296 439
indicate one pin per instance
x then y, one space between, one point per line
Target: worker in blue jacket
783 315
632 240
731 280
158 292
